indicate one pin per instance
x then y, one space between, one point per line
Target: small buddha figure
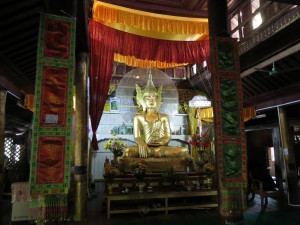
152 130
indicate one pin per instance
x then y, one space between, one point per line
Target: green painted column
228 117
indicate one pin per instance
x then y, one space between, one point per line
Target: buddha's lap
161 151
153 164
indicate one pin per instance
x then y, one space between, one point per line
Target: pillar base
234 220
80 213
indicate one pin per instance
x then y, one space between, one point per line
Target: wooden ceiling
19 24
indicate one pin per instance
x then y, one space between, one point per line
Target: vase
109 189
209 182
202 157
141 186
114 161
188 169
170 185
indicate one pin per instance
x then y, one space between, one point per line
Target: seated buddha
152 133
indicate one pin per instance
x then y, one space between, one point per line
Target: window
12 151
194 69
236 35
255 4
177 73
257 19
235 23
180 73
271 161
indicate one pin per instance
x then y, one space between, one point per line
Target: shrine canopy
139 39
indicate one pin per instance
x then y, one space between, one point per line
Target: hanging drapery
151 25
141 22
101 65
146 48
51 144
249 113
29 102
106 41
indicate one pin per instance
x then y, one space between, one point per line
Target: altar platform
97 214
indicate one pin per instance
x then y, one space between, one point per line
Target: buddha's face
151 100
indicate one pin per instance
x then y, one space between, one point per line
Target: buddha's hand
158 142
143 150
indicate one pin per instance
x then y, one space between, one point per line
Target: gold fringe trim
207 114
133 61
104 12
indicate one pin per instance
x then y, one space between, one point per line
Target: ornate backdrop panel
50 159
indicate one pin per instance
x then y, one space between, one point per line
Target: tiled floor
96 213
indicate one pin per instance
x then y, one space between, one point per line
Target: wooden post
288 159
81 138
2 136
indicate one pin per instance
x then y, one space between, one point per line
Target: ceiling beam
292 2
270 60
13 74
272 99
10 87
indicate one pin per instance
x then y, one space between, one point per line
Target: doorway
259 145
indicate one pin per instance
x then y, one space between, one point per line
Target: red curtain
101 65
106 41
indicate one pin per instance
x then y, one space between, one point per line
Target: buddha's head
150 97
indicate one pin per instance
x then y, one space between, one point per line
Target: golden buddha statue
152 133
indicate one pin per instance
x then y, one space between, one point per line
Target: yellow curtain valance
207 114
145 23
29 102
133 61
249 113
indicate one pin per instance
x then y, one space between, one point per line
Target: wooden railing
275 17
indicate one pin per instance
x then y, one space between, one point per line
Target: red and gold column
228 116
229 130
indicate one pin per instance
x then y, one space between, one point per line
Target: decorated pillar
2 136
228 117
51 138
81 148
